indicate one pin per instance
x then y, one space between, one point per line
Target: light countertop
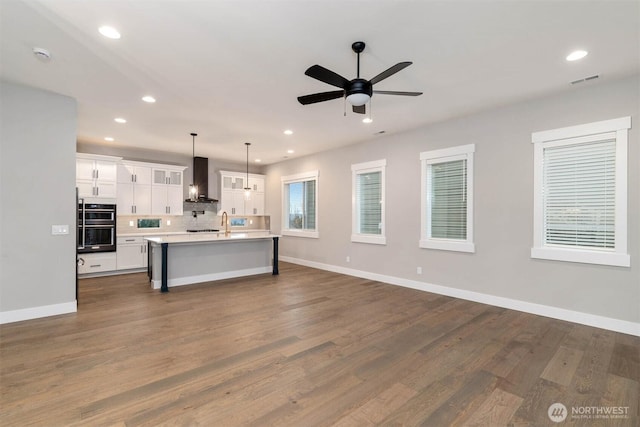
218 237
153 233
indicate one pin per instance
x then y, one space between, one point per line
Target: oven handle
84 235
100 226
100 210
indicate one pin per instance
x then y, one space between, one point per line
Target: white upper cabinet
162 176
167 190
96 176
134 188
233 200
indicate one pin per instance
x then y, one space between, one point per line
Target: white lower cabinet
97 263
131 253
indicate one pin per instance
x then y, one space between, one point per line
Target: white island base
197 259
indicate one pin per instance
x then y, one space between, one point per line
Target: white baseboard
190 280
37 312
594 320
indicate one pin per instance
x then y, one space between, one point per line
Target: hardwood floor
306 348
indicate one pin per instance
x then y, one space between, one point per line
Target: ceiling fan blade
360 109
393 92
390 72
319 97
320 73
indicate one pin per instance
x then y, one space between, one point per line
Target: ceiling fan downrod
358 47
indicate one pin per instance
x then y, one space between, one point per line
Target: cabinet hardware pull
129 240
95 265
97 174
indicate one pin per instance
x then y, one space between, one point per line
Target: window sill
300 233
582 256
448 245
373 239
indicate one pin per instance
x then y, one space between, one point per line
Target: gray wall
37 190
129 153
503 206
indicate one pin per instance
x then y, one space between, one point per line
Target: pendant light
247 189
193 188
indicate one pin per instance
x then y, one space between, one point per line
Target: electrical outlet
168 222
419 270
130 223
348 259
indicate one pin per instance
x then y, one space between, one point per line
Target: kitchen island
178 260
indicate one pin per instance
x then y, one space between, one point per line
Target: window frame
292 179
359 169
574 135
428 158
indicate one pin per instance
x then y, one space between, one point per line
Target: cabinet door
227 182
125 174
142 175
226 202
256 184
174 200
159 199
84 169
85 188
255 206
124 200
141 198
130 256
106 171
175 177
237 204
159 176
238 183
106 189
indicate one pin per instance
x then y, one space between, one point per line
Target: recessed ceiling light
290 151
288 132
109 32
150 99
367 120
577 54
120 120
108 138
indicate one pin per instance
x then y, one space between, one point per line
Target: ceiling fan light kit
357 92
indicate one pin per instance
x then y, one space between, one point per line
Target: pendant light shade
193 188
247 189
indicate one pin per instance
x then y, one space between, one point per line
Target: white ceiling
231 70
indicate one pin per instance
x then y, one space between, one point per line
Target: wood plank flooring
306 348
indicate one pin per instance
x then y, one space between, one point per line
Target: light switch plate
59 229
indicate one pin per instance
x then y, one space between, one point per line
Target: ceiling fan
357 91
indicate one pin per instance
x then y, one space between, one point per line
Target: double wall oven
96 227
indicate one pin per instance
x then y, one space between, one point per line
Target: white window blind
447 183
447 199
368 202
579 194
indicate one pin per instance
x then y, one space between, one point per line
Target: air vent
586 79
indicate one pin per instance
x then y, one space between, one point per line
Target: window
367 211
447 199
580 193
300 205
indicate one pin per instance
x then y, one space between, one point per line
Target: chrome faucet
225 223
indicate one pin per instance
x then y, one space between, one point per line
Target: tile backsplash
128 224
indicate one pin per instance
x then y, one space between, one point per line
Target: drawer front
97 263
131 240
